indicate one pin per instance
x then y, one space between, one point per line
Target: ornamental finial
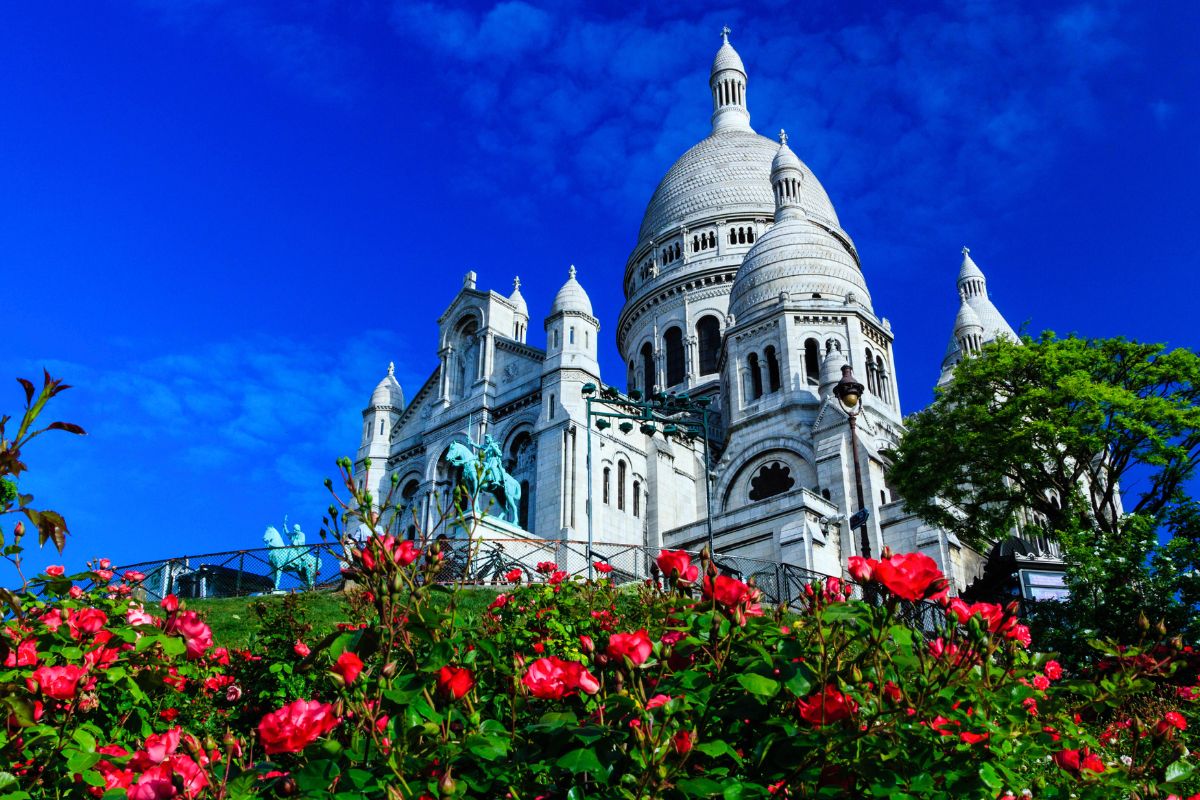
391 369
782 137
517 283
966 251
571 274
725 34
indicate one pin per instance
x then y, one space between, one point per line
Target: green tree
1047 434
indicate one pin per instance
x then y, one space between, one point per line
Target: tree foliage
1049 432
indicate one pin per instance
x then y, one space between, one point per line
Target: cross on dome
391 369
782 136
517 282
966 251
571 272
725 34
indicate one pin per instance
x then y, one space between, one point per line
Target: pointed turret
786 179
728 82
521 311
978 321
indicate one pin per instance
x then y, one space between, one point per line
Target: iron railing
240 573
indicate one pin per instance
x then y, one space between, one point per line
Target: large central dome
727 173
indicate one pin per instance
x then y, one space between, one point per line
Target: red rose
193 777
682 742
500 602
133 576
26 655
153 784
85 620
59 683
348 666
196 635
1171 721
455 682
295 726
552 678
912 576
972 738
826 706
557 577
55 571
546 567
301 649
1052 670
1021 634
1075 761
729 592
159 747
634 646
514 575
170 604
677 564
861 569
603 568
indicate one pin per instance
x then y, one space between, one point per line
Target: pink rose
55 571
60 683
295 726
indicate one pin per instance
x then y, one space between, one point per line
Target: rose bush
686 686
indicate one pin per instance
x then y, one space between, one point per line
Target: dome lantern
728 83
786 179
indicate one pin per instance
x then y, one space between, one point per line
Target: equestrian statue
482 471
294 558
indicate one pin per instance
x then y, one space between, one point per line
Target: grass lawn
235 620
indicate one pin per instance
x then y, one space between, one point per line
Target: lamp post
849 393
677 414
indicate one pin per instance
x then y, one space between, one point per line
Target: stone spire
978 321
728 83
786 179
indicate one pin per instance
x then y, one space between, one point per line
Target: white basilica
742 287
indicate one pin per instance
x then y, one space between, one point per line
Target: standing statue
295 558
485 473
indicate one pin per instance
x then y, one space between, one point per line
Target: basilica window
648 380
770 480
773 380
673 340
872 384
604 485
756 385
712 239
637 499
708 335
407 518
812 362
885 385
571 335
620 485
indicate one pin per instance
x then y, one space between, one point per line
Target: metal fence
468 561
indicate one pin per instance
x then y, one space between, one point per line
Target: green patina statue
483 471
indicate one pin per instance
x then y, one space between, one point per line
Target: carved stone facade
743 288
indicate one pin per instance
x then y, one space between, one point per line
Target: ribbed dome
571 297
726 174
518 299
727 58
799 257
967 318
388 392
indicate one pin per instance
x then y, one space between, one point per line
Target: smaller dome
969 268
967 318
727 58
388 392
785 158
517 299
571 297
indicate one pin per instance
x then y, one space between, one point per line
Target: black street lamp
849 394
673 415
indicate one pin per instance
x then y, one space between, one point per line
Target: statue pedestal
484 526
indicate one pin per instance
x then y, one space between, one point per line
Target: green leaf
80 761
581 760
700 787
987 774
85 740
1178 770
759 685
718 747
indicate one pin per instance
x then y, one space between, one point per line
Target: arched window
695 244
673 340
620 485
408 510
732 236
772 368
741 236
872 385
885 386
550 408
756 385
882 497
812 362
648 381
750 235
381 427
571 335
708 335
604 485
637 499
771 479
712 239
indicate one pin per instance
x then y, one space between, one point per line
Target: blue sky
220 220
